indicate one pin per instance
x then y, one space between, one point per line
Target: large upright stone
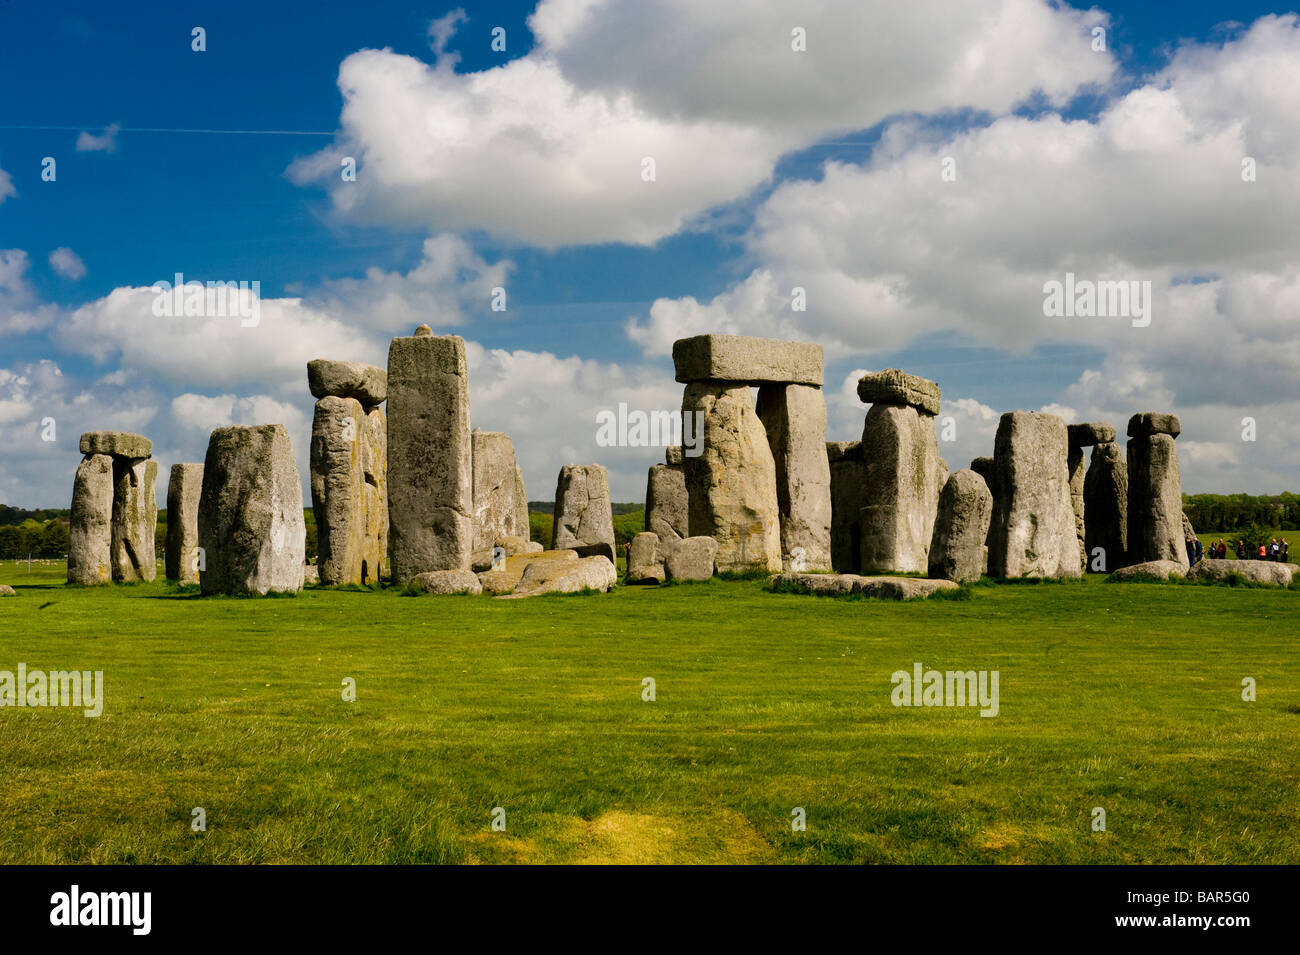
584 520
368 384
794 417
495 514
374 472
251 525
522 524
1033 522
180 557
901 491
430 467
667 505
957 549
848 495
135 520
90 531
1155 499
1077 467
731 485
1105 509
347 548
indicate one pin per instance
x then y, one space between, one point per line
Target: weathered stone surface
794 417
430 467
1256 571
1188 529
507 578
565 577
895 387
667 505
522 524
901 494
374 470
368 384
691 558
1090 433
7 591
310 574
957 550
180 556
848 495
584 520
828 585
674 454
90 531
1033 522
495 479
900 588
644 561
1148 423
740 358
1076 464
984 467
120 444
338 490
1158 569
251 525
1155 501
132 548
731 486
448 582
1105 508
885 588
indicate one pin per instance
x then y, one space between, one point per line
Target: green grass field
1122 696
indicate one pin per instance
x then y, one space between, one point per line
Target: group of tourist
1275 550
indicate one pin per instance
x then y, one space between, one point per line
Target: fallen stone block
448 582
1156 569
1268 572
691 558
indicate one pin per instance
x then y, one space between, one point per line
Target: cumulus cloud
105 142
1150 190
68 264
6 186
551 148
21 310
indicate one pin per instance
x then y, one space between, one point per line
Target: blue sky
225 206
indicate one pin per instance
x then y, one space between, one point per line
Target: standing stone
90 532
957 550
794 417
1155 499
983 466
1077 471
731 486
135 520
901 452
667 505
1105 509
338 491
645 563
180 558
251 525
1033 520
523 527
374 472
430 468
584 520
848 495
495 475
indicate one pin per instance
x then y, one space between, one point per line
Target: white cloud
548 148
106 142
68 264
6 186
21 311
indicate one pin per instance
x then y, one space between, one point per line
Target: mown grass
1123 696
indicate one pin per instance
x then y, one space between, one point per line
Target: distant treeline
1221 513
17 515
47 538
548 507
